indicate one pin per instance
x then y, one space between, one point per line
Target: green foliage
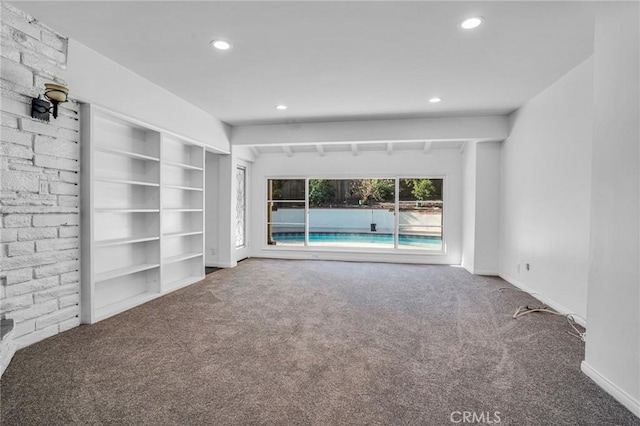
320 191
423 189
373 189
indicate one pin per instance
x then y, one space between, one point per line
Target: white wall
439 162
469 206
613 337
487 211
98 80
545 192
212 205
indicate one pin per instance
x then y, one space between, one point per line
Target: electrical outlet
528 266
518 268
44 187
213 251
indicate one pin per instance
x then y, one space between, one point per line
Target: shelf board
130 154
182 210
104 210
123 305
109 243
182 165
181 234
126 182
182 282
180 258
185 188
115 273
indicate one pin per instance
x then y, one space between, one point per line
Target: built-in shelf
182 165
126 182
182 282
180 257
115 210
115 273
182 210
110 243
181 234
131 174
184 188
115 308
129 154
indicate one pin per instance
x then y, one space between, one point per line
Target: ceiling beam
354 149
389 148
320 150
287 150
427 148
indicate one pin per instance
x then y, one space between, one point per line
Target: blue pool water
325 237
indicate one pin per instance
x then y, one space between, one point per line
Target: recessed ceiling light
281 107
471 23
435 100
221 44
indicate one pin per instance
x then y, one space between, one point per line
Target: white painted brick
16 136
8 120
28 234
31 338
56 163
54 41
16 73
58 244
16 88
68 231
36 46
10 53
64 188
21 248
24 327
25 168
38 209
56 292
16 220
73 177
28 287
73 299
41 64
17 276
48 129
14 150
30 199
8 235
15 303
56 147
69 324
57 317
37 259
68 200
70 277
34 311
57 268
13 18
55 219
17 181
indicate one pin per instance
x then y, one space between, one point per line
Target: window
241 207
400 213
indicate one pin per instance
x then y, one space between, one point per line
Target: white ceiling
335 60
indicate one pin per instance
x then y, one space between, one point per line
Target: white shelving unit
143 221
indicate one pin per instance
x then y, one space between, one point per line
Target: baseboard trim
8 349
220 264
552 304
611 388
487 272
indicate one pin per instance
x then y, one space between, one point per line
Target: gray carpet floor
276 342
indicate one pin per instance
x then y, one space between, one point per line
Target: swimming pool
357 239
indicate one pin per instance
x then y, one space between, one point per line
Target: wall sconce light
57 94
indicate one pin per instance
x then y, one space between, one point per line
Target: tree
320 191
373 189
423 189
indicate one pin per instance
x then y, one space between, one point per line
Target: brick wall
39 240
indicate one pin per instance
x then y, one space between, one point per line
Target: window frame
395 250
